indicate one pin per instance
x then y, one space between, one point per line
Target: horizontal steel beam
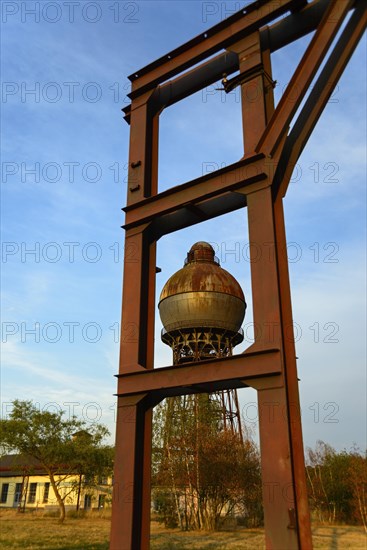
194 80
294 26
222 35
272 38
192 214
208 376
237 175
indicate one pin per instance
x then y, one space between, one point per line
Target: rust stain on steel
202 294
202 274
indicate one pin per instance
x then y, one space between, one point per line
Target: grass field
35 532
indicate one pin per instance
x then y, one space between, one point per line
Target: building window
101 501
45 492
102 480
32 493
4 492
87 502
18 493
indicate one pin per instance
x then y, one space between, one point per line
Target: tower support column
282 455
131 488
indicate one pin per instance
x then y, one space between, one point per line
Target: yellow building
25 484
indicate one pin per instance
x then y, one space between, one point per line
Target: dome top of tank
202 294
201 252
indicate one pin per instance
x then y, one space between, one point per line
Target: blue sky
70 131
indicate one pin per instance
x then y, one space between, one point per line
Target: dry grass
324 538
167 539
32 531
35 532
339 537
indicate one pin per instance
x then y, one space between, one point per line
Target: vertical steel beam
143 154
130 524
255 114
126 531
275 444
256 93
293 412
131 499
281 454
277 475
264 278
287 521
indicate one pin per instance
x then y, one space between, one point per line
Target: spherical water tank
202 295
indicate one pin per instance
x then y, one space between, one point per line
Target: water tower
202 308
274 136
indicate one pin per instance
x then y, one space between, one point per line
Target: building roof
16 464
19 465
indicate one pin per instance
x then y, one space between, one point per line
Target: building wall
38 493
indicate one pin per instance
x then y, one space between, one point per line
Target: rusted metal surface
202 309
202 294
247 172
300 504
227 32
283 32
319 96
215 374
303 75
258 182
202 273
201 342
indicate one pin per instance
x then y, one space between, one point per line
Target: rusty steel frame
259 182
